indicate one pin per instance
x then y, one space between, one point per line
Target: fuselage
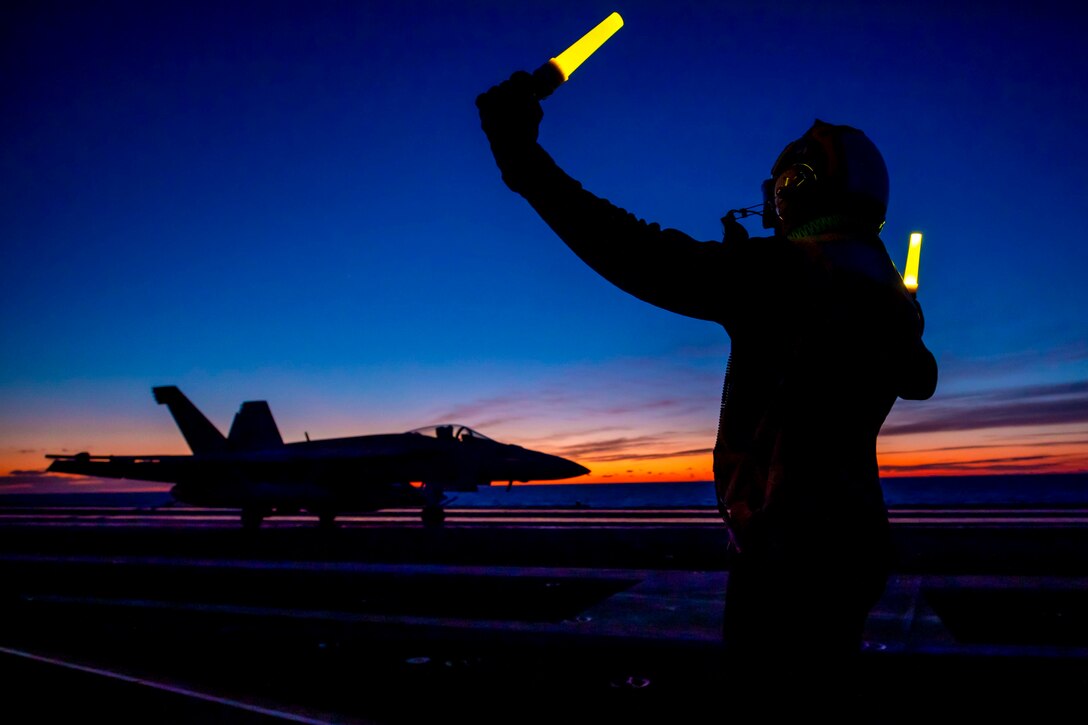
359 473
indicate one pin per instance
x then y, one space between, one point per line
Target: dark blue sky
294 202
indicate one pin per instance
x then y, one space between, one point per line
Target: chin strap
834 223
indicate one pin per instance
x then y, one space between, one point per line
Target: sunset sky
293 202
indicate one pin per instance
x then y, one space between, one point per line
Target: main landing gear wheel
433 515
251 519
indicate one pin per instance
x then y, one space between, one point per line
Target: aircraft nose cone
576 469
564 468
524 465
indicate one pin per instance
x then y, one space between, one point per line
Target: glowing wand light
557 70
914 252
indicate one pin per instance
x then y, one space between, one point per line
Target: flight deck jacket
824 338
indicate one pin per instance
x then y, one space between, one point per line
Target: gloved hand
510 115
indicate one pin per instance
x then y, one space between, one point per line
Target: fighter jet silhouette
253 470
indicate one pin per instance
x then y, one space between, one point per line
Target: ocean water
1034 490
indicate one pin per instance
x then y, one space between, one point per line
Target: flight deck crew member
824 339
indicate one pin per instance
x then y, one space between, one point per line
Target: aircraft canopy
449 430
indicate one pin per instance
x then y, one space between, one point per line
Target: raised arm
664 267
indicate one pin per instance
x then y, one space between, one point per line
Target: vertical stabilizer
254 428
200 434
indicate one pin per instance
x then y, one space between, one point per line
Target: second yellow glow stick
557 70
914 252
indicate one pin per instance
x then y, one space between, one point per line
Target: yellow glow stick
568 61
557 70
914 252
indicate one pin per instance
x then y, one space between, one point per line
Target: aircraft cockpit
450 431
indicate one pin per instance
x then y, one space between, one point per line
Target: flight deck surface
532 616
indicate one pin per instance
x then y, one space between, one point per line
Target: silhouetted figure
824 338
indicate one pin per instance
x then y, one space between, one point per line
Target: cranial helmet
843 174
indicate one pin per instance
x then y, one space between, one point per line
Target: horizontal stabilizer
254 428
200 434
139 468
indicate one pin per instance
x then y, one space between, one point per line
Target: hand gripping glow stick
914 252
557 70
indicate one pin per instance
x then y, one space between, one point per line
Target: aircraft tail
254 428
200 434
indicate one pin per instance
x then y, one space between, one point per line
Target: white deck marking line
166 688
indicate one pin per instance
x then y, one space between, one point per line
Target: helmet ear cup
798 188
